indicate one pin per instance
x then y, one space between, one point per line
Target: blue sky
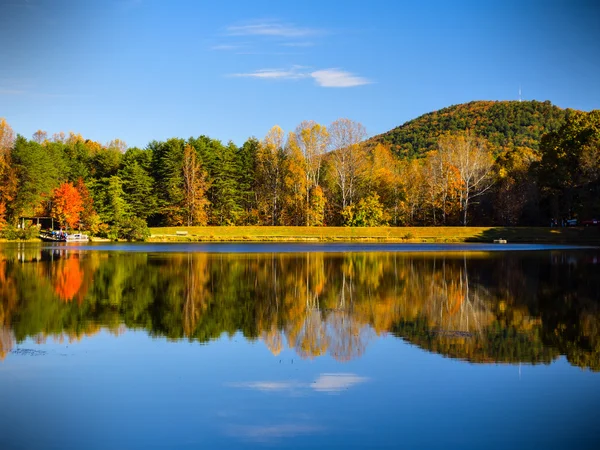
141 70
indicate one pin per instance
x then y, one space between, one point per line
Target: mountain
505 124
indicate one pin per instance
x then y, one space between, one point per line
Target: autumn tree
473 162
316 209
294 211
413 181
270 173
443 185
194 188
89 217
60 137
118 145
384 181
7 136
312 140
516 192
40 136
67 205
8 179
348 156
568 172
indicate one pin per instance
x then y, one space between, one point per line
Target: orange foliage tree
67 205
89 217
8 179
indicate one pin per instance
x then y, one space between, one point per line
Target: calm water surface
299 346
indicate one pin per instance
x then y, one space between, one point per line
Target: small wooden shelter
39 221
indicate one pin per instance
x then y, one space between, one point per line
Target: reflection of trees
6 341
195 292
481 309
348 336
8 304
68 278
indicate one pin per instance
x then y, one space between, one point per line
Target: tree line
314 175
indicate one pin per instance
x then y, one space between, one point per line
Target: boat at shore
59 236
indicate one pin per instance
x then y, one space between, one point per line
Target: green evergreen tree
138 185
167 167
37 173
247 182
227 194
109 200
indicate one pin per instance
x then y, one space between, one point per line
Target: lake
185 346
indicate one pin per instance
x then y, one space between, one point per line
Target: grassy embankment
575 235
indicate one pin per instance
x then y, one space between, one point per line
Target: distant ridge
505 124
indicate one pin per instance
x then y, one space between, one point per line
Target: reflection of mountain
495 308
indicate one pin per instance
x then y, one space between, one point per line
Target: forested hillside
504 124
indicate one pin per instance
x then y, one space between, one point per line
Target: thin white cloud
271 28
275 74
297 44
11 91
266 433
325 78
336 382
226 47
338 78
326 382
270 386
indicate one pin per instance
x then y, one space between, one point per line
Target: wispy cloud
338 78
271 28
262 36
11 91
275 74
298 44
274 32
335 78
270 386
267 433
335 382
226 47
326 382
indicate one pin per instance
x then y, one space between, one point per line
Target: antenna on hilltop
519 93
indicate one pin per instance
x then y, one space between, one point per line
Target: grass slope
576 235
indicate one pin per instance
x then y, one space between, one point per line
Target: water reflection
512 307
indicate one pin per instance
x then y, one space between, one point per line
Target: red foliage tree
67 205
89 217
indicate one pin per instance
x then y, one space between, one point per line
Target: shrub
13 233
133 229
367 213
